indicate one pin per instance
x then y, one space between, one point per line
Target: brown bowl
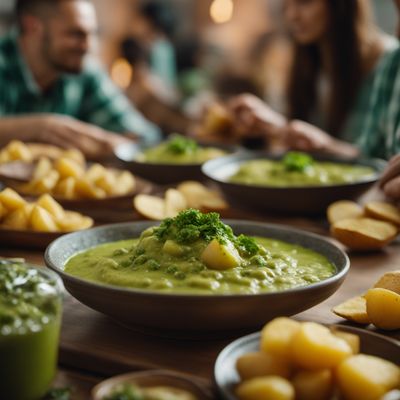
163 173
193 385
303 200
171 314
226 376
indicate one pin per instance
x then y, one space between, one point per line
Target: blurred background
210 49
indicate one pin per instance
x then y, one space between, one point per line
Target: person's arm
107 107
59 130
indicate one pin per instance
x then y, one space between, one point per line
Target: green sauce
30 308
279 174
179 150
283 266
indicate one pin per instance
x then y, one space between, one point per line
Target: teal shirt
89 96
380 133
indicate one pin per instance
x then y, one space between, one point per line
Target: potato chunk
18 219
11 199
277 335
313 385
68 167
390 281
343 209
315 347
150 207
220 256
364 233
42 220
383 308
49 204
354 309
252 365
266 388
367 377
383 211
352 340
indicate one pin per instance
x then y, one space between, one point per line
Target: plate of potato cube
70 180
36 224
290 360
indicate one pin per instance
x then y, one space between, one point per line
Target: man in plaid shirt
51 92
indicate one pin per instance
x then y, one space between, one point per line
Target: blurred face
67 35
307 19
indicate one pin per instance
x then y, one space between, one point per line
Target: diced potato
107 182
252 365
367 377
49 204
65 188
67 167
383 211
11 199
150 207
74 221
390 281
220 256
383 308
175 202
343 209
95 172
125 183
18 150
87 190
47 183
315 347
42 220
75 155
3 211
277 335
364 233
172 248
42 169
18 219
4 157
313 385
266 388
352 340
354 309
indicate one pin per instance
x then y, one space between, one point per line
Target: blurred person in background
154 26
50 92
337 53
149 93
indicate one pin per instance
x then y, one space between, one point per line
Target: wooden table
93 346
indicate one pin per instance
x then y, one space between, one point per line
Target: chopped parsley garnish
181 145
296 161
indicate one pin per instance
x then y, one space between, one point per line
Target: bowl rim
208 169
336 277
253 337
232 150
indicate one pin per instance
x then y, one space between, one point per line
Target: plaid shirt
89 96
380 134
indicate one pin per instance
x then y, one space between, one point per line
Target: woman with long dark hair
337 50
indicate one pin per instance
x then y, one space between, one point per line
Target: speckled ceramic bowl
159 312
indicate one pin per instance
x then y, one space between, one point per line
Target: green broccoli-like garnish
247 245
297 161
181 145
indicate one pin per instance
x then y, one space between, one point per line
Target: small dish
306 200
190 384
163 173
226 376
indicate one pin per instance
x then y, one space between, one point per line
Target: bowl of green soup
196 273
176 159
30 318
294 183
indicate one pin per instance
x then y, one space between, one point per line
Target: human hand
68 132
253 116
390 180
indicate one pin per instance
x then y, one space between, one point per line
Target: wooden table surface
92 346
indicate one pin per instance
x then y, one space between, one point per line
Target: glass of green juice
30 318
